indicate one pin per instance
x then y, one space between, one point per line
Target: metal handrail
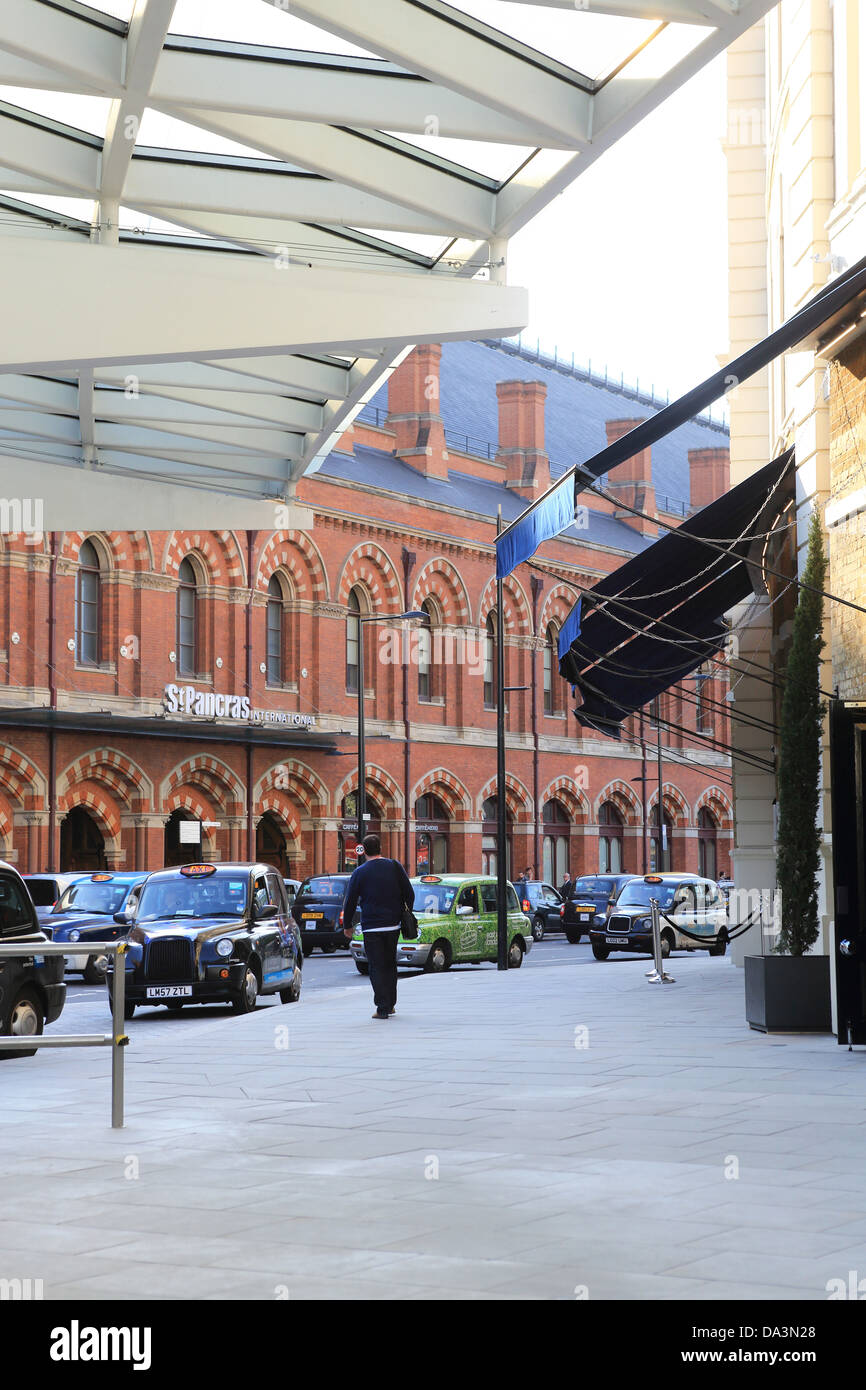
116 1039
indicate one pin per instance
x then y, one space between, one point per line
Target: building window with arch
488 838
611 830
708 857
661 855
490 661
187 619
354 634
275 632
554 851
87 606
432 824
427 683
551 670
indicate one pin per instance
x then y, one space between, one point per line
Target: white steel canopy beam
177 305
362 159
677 11
365 92
157 180
147 30
449 47
84 46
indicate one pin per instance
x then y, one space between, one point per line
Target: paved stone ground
471 1148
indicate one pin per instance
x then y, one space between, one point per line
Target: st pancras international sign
186 701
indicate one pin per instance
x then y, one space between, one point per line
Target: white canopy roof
213 251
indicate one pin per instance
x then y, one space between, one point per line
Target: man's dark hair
372 844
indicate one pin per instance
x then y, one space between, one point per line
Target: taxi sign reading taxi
197 870
101 878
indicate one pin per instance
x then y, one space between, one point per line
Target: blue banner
552 515
570 629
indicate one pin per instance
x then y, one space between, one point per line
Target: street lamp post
412 614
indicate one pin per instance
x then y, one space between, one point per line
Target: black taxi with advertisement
212 934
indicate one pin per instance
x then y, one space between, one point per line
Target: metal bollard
119 1038
657 975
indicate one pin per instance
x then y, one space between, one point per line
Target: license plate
169 992
585 916
615 940
312 916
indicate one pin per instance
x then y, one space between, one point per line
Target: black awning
658 617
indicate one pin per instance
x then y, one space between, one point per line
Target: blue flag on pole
553 514
570 629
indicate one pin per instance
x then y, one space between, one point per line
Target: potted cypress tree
789 990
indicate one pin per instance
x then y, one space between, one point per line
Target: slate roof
375 468
576 409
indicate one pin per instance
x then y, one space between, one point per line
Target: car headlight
74 934
225 947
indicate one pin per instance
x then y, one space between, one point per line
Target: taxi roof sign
430 878
101 878
197 870
652 878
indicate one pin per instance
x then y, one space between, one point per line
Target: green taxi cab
456 925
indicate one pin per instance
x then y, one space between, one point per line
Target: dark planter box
788 994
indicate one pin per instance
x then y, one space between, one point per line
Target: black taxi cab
209 934
32 992
693 917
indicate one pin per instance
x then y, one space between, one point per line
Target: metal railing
116 1039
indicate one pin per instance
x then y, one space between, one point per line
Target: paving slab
555 1133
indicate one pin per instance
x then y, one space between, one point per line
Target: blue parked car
86 912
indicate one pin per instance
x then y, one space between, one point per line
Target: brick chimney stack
521 437
709 474
632 480
413 412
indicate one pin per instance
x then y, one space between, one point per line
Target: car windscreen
223 895
323 888
432 899
102 899
638 894
15 909
596 887
43 891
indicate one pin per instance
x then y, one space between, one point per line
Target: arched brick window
708 857
88 606
187 619
610 837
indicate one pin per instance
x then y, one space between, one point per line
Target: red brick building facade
210 678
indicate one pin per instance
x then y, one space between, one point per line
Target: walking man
382 889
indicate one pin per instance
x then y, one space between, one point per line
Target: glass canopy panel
494 161
89 114
77 209
256 23
117 9
591 44
169 133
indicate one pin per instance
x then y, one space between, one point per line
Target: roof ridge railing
569 367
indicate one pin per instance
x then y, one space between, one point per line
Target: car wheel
128 1009
721 945
572 936
293 993
516 952
537 929
439 958
24 1020
362 967
600 951
95 970
245 1000
667 944
329 947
